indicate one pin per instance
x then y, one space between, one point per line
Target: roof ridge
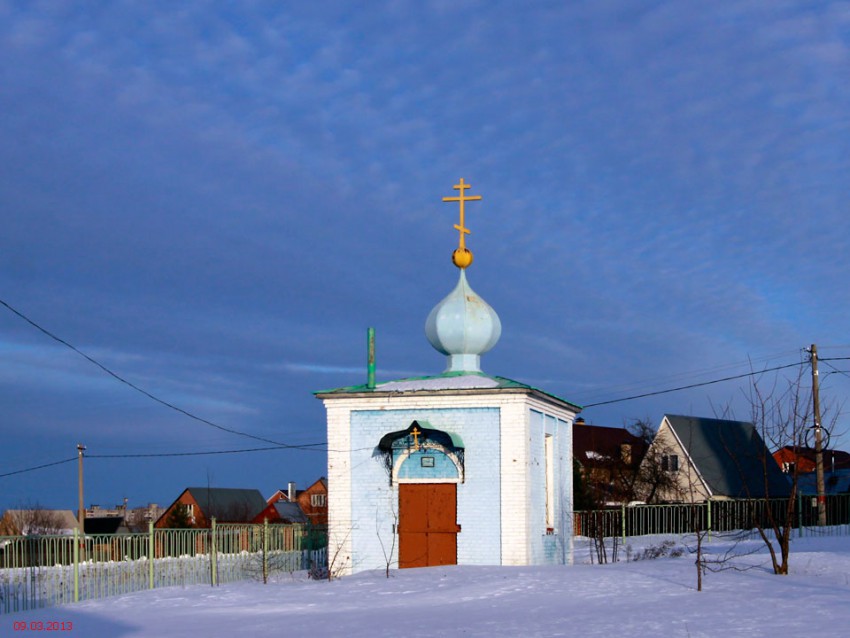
706 418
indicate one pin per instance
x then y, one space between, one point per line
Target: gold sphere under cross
462 257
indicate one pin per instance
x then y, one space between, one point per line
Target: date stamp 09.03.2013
43 625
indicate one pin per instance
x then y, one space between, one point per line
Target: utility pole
81 512
818 439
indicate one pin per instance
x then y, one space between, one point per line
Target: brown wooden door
427 524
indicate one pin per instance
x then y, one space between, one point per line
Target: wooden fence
44 571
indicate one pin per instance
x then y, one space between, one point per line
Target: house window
317 500
788 468
670 462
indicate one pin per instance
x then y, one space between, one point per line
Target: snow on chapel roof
449 383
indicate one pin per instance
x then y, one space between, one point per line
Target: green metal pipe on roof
370 366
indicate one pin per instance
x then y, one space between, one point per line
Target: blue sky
215 201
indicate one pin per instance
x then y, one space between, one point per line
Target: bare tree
781 411
714 562
388 549
697 513
683 483
31 520
600 527
653 481
338 559
607 464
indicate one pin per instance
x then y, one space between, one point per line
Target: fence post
265 550
623 522
151 554
799 515
213 557
708 517
76 565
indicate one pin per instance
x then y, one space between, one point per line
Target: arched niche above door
423 454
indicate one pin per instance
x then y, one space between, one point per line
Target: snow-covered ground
640 598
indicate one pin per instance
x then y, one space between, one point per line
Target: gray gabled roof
730 456
227 504
291 512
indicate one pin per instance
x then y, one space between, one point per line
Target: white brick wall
514 479
498 505
339 487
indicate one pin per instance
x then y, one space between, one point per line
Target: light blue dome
463 326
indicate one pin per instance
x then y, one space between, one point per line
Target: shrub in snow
666 549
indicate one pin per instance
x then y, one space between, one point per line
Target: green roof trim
502 383
365 388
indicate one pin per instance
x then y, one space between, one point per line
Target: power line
115 456
39 467
682 376
834 369
311 447
693 385
145 392
316 447
167 454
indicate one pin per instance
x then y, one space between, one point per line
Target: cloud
219 201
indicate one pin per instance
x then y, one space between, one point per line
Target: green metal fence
713 516
44 571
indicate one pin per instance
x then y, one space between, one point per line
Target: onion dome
463 326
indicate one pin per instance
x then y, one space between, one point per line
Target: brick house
227 505
313 500
608 459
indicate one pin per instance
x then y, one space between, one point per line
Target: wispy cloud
219 201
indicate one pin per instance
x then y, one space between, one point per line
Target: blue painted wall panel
375 503
415 466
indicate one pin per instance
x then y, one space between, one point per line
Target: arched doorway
427 464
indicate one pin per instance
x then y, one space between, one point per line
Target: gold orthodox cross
462 198
462 257
415 432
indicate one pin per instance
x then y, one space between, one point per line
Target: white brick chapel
460 467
